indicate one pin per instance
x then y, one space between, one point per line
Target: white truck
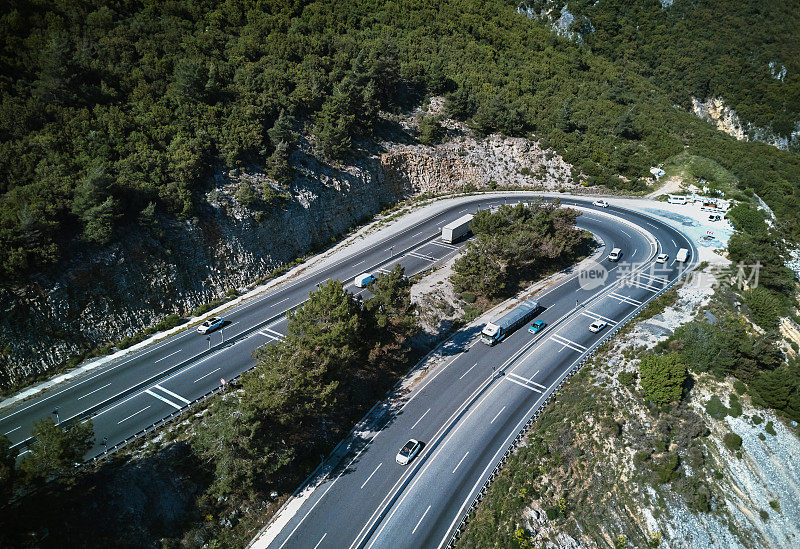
682 255
457 229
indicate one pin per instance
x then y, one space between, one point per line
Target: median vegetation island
114 119
265 433
635 434
515 245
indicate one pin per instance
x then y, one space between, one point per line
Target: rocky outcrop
101 296
725 119
464 162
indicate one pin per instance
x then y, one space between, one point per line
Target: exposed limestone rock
725 119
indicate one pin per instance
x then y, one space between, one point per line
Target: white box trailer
497 330
457 229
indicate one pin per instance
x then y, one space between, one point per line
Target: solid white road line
276 334
443 244
567 343
420 417
420 520
468 371
320 540
625 299
526 381
642 286
595 316
169 355
460 462
420 256
498 415
14 429
369 477
159 397
512 380
170 393
133 414
208 374
281 301
92 392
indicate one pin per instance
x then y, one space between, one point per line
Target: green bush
666 468
739 387
626 379
716 409
734 406
732 442
469 297
770 428
662 378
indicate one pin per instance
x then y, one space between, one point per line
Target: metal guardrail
553 393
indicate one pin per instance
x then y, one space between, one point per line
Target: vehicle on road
363 280
597 325
600 203
210 325
662 258
457 229
676 199
408 452
537 326
615 255
682 255
496 331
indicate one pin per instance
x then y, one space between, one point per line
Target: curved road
468 409
464 414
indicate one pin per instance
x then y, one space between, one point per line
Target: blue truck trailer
496 331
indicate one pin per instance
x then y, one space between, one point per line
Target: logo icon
592 276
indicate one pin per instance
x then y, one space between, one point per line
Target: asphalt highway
463 413
467 410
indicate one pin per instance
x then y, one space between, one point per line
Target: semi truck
457 229
497 330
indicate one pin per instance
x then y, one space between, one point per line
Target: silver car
210 325
408 452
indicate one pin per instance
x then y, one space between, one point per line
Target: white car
597 325
601 203
662 258
408 452
615 255
210 325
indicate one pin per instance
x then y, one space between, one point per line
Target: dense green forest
745 51
115 114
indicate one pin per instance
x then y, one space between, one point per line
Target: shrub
757 420
770 429
662 378
732 441
776 505
739 387
716 409
469 297
666 468
763 514
734 406
626 379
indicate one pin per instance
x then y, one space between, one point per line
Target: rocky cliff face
725 119
103 296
